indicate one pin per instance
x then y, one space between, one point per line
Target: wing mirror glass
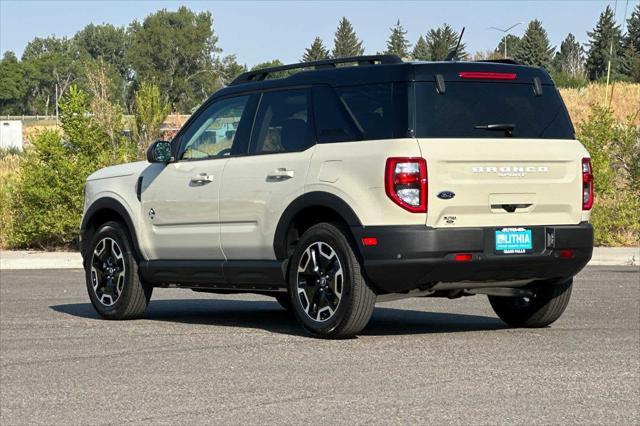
159 152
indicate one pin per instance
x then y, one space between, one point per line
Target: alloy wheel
107 271
320 281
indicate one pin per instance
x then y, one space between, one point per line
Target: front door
180 201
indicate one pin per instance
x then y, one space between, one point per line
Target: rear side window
282 123
371 109
490 110
332 120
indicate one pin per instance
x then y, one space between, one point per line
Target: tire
329 295
284 301
111 271
543 308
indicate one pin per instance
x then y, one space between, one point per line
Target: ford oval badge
446 195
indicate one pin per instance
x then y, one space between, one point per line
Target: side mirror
159 152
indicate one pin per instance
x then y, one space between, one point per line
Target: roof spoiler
261 74
500 61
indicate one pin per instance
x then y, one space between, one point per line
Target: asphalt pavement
199 358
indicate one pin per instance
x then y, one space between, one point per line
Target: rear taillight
587 184
406 183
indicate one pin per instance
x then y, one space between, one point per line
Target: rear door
256 189
499 153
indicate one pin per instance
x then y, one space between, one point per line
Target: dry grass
8 173
623 98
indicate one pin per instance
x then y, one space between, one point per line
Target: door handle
202 179
279 175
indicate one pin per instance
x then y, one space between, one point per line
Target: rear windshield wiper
507 128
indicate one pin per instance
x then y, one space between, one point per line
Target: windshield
490 110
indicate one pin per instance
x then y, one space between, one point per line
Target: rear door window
469 109
282 122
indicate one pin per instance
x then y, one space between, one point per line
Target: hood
119 170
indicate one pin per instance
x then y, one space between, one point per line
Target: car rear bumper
415 256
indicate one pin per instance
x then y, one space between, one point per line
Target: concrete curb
609 256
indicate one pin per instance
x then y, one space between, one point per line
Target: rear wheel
329 295
544 307
115 288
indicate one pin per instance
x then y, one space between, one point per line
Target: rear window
490 110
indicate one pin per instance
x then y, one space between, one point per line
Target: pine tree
315 52
420 50
570 58
512 42
534 49
398 44
631 60
604 45
632 37
441 41
346 42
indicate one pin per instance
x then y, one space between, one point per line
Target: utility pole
57 122
505 32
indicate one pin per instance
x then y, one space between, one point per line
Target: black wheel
330 297
284 301
111 270
544 307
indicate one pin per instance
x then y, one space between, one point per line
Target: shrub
615 154
47 199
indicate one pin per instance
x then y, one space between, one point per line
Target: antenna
452 56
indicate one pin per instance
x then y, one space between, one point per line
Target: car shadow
269 316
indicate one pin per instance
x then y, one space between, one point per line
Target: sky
258 31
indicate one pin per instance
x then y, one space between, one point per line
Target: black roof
372 71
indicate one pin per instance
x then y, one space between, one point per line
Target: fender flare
311 199
108 203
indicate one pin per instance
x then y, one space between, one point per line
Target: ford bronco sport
338 186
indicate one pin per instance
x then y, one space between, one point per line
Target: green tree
420 50
534 48
631 55
150 111
315 52
604 45
229 68
397 44
512 43
632 38
106 42
346 42
271 64
13 86
49 63
177 50
570 58
48 198
441 41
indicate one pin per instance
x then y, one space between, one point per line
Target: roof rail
261 74
500 61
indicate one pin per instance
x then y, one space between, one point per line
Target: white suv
339 186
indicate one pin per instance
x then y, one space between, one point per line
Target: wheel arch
306 211
101 211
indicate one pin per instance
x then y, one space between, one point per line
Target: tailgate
503 182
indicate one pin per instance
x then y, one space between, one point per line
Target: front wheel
115 288
329 294
543 307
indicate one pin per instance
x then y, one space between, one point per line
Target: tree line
177 52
